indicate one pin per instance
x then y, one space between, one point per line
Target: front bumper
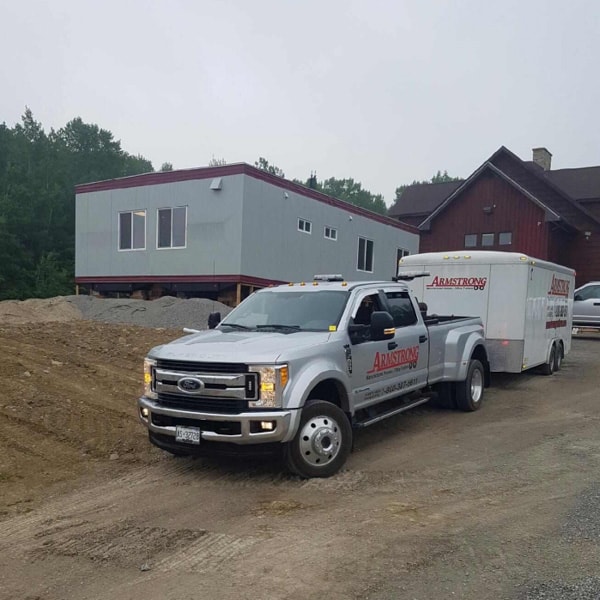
238 428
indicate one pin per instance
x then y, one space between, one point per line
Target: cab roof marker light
522 258
315 283
290 283
302 283
446 257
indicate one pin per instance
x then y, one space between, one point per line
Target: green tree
439 177
38 172
217 162
264 165
166 166
348 190
353 192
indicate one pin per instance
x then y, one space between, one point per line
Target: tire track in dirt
122 544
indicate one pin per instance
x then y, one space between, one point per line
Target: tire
548 368
444 397
469 393
558 357
322 443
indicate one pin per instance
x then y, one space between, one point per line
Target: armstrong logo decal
475 283
559 287
396 358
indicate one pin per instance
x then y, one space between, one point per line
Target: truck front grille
212 387
218 405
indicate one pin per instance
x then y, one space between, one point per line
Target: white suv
586 305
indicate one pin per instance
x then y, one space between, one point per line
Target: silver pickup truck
298 367
586 306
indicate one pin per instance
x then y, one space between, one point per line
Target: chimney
542 157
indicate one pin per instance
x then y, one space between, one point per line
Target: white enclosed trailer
526 304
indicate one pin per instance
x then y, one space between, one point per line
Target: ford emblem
190 385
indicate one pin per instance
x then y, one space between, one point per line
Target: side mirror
577 298
382 326
214 319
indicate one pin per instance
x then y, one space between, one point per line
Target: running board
393 411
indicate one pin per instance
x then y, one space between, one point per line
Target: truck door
386 368
586 307
412 339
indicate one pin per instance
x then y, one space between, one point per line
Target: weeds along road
501 503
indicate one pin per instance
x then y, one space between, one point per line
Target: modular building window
365 255
505 238
401 253
172 225
304 225
132 230
330 233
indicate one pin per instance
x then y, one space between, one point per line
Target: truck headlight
273 379
149 365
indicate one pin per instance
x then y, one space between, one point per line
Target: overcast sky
385 91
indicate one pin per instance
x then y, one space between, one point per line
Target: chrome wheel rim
320 441
476 386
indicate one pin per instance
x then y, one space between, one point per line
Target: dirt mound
70 385
69 403
167 312
36 310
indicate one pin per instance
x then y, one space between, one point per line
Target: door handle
392 345
422 338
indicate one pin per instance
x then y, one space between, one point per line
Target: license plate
187 435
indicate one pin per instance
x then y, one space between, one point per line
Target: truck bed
448 336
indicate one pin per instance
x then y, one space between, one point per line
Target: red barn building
513 205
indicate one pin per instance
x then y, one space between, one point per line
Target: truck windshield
288 312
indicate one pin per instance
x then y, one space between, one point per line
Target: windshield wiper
278 327
234 325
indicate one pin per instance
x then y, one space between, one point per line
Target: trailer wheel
322 443
469 393
548 368
559 357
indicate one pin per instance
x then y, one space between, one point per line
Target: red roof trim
160 177
237 169
245 279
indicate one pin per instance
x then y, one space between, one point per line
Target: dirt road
501 503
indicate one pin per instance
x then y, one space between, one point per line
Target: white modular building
221 232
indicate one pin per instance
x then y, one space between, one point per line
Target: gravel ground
583 521
585 589
165 312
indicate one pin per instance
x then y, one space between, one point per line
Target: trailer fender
553 342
